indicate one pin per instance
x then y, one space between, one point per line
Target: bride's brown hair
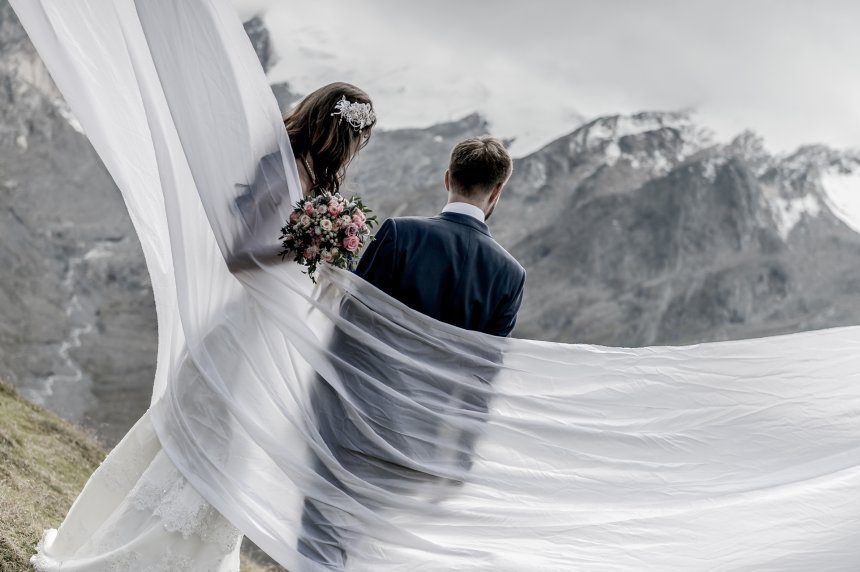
327 140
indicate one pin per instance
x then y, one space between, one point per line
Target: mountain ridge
660 165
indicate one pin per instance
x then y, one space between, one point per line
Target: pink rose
325 224
309 208
352 229
358 217
311 252
326 256
351 243
305 220
334 209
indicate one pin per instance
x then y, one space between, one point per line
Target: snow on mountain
749 146
790 211
610 132
810 180
842 193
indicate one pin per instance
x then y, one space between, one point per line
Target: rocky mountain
640 230
77 324
635 230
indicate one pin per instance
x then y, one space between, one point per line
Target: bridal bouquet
327 228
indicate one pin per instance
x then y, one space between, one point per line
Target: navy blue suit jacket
448 267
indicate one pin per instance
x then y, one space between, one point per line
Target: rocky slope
73 293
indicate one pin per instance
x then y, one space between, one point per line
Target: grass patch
44 463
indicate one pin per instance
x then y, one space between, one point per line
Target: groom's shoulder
414 220
409 224
512 259
409 220
406 225
511 262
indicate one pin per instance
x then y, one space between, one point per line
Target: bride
736 455
137 511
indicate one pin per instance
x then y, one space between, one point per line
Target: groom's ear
448 180
494 194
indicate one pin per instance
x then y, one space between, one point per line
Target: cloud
784 68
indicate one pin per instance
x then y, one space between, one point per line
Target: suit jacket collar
466 220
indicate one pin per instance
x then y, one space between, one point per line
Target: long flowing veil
332 423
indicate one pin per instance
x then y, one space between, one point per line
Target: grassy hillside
44 463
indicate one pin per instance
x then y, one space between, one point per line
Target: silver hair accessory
358 115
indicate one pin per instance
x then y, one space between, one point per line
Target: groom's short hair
478 164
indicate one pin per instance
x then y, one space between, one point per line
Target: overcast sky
785 68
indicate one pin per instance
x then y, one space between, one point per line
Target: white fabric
464 208
137 512
419 445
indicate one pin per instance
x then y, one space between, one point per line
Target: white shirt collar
464 208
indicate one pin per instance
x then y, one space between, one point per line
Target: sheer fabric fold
339 429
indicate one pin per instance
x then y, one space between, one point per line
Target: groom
450 268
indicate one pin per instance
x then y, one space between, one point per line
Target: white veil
332 422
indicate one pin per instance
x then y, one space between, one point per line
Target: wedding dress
420 445
137 512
